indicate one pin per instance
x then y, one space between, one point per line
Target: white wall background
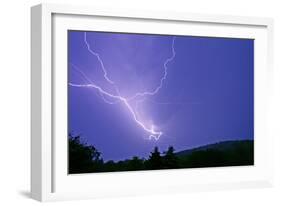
15 102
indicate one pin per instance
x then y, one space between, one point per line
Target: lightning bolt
91 82
153 134
156 90
98 58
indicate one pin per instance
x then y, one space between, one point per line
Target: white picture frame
49 179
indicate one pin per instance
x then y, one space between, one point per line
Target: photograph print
141 102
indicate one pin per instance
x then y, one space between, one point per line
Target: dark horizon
83 140
206 97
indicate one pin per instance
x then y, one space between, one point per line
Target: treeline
85 158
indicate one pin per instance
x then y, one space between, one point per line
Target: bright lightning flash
153 134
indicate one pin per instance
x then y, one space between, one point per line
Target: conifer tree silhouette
170 160
155 160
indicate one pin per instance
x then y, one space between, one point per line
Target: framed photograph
135 102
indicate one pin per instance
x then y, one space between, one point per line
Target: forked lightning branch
116 97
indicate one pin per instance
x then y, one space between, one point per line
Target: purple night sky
206 97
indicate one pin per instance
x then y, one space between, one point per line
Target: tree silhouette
170 160
136 164
155 160
85 158
82 158
110 166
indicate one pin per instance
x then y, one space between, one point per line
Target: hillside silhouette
85 158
